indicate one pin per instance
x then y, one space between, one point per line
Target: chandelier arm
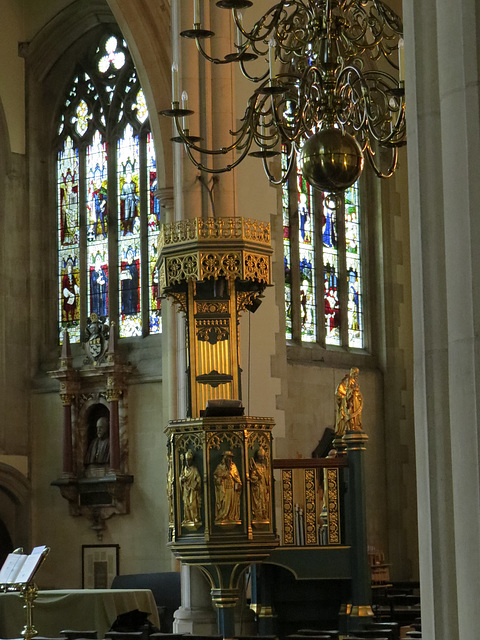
391 18
225 169
205 55
395 107
188 142
375 103
244 139
284 175
395 137
266 141
261 31
285 132
393 163
371 29
353 95
295 32
332 50
255 79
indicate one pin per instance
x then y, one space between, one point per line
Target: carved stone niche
95 478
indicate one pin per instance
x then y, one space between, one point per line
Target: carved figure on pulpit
228 490
98 451
354 402
260 487
191 483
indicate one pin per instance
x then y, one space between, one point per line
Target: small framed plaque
99 565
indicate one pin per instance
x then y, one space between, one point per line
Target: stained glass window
107 212
287 259
322 257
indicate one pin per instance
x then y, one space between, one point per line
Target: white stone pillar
196 615
442 92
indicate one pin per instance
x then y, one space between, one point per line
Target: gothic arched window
108 217
323 271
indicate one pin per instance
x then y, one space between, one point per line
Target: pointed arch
15 494
50 64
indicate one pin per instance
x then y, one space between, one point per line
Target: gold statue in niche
228 490
349 404
191 483
260 487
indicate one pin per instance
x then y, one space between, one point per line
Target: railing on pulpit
310 504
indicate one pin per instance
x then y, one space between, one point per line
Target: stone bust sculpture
98 451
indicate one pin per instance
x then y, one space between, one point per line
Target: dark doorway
6 545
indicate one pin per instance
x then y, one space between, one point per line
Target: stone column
67 400
172 362
196 615
442 93
113 397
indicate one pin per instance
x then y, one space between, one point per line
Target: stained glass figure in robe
332 305
98 275
130 298
70 290
130 283
69 301
69 208
97 189
307 260
129 198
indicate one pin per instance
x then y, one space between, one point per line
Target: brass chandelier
328 89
